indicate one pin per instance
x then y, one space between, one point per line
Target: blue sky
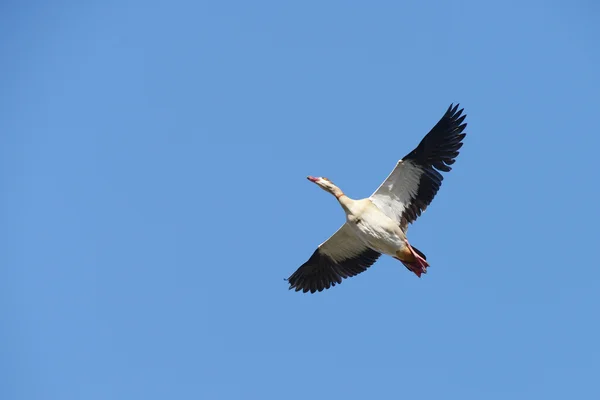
153 163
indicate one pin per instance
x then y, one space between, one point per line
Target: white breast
376 229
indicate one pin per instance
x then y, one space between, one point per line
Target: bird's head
325 184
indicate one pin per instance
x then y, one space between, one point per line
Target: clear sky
153 163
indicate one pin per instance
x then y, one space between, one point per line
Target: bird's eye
327 179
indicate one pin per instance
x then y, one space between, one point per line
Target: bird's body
374 228
378 224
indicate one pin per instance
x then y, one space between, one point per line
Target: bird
378 224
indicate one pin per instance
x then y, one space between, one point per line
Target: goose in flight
377 225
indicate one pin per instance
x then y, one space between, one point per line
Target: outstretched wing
413 184
339 257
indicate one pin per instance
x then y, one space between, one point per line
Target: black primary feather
436 152
322 272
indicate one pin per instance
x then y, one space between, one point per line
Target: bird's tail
414 260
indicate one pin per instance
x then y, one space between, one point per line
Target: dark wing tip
320 272
440 146
436 152
452 109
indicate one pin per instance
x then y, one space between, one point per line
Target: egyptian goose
377 225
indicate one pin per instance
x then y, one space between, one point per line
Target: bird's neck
344 200
336 191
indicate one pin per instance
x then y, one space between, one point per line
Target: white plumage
398 189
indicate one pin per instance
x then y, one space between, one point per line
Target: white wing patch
343 244
398 189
